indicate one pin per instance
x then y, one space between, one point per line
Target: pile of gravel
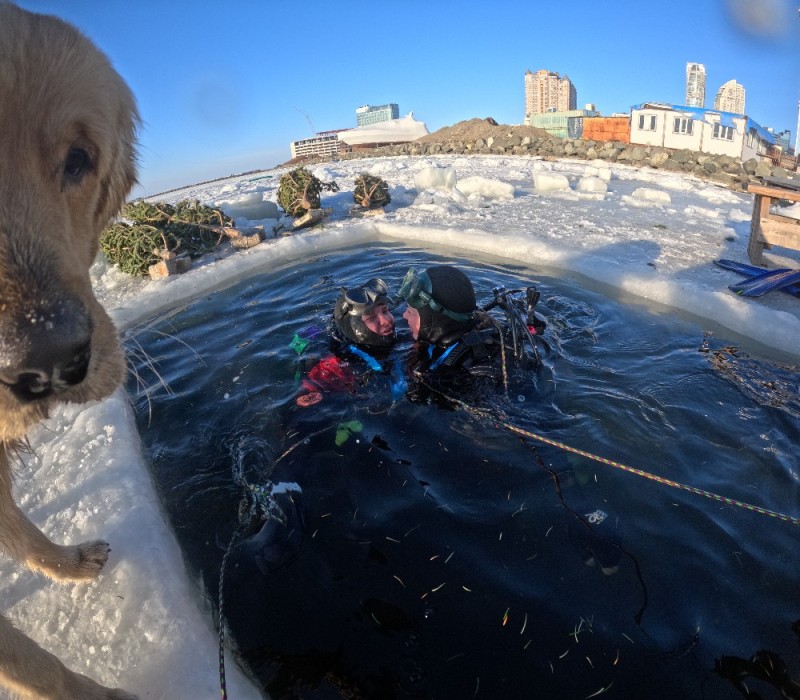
471 130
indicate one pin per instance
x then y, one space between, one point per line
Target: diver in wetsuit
459 344
363 334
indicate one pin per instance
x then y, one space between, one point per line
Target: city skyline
729 97
224 89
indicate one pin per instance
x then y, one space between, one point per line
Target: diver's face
379 320
411 315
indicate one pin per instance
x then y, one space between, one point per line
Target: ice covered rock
433 178
485 187
550 182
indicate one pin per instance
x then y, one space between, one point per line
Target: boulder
763 169
658 156
682 156
750 165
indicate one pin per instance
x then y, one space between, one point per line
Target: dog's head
67 162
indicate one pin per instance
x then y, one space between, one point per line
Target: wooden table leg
755 244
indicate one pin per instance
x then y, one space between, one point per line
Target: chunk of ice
249 206
592 184
483 186
433 178
550 182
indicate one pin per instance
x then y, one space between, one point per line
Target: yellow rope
632 470
652 477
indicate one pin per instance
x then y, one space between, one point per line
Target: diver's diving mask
416 290
361 300
353 305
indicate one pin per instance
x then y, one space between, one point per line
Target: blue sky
223 87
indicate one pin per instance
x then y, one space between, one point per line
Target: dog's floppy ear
122 176
118 140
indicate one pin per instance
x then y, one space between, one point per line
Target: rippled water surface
432 553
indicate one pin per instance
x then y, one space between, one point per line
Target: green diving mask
416 290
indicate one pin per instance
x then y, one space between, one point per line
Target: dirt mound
473 129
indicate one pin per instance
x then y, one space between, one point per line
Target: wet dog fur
67 161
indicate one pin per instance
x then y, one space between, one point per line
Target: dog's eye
77 164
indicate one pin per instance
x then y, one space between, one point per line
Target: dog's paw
87 560
80 562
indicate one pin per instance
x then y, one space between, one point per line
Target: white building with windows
698 129
325 144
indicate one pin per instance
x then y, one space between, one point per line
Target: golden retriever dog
67 162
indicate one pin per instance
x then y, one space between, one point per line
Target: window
647 122
723 132
683 125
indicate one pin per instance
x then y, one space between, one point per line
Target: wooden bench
767 228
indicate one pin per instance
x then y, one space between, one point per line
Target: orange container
607 129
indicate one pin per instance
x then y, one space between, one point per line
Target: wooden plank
780 234
775 192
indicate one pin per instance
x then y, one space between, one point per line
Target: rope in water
653 477
631 470
222 684
256 504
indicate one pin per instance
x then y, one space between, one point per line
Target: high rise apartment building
548 92
374 115
730 98
695 85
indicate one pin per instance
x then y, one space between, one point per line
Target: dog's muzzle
45 350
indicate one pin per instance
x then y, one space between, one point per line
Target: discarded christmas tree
371 191
298 191
150 231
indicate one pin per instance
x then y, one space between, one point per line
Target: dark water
434 554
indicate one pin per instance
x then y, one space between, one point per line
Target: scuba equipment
417 290
309 399
330 374
523 322
353 304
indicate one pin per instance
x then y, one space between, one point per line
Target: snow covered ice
250 206
649 237
647 196
433 177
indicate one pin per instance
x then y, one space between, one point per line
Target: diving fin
766 282
753 271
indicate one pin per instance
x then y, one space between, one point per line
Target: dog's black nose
45 350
